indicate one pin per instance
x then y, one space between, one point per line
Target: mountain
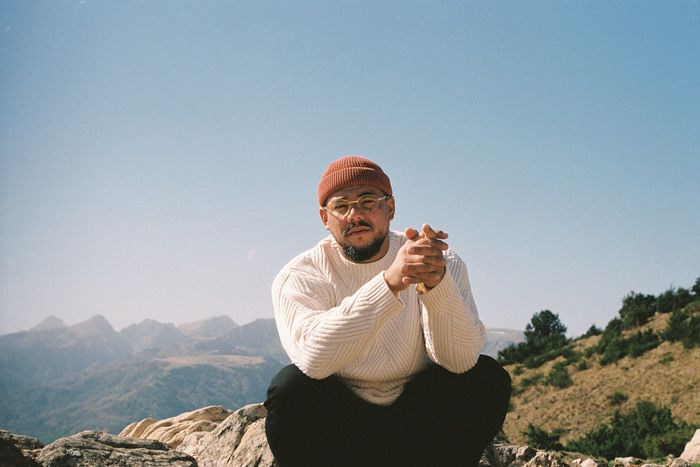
209 327
498 339
56 380
152 335
52 322
59 353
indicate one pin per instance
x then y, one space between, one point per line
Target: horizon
160 159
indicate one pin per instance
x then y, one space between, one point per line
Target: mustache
361 223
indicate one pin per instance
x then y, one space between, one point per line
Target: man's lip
358 230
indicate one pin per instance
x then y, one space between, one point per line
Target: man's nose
354 212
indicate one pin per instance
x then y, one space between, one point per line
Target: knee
493 375
287 385
494 371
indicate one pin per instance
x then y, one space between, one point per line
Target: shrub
592 331
559 377
641 342
684 328
617 398
673 299
637 309
541 439
647 432
531 381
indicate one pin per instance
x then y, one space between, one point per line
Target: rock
627 462
18 450
174 430
238 441
677 462
588 462
547 459
96 449
691 453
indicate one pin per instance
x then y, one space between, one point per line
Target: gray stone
18 450
96 449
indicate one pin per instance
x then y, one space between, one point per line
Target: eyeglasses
340 207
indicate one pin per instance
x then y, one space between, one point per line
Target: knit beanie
350 171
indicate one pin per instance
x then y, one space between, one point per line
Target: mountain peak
52 322
209 327
98 324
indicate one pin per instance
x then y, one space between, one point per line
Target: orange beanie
350 171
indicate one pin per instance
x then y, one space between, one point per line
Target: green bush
641 342
559 376
541 439
617 398
646 432
637 309
673 299
545 334
684 328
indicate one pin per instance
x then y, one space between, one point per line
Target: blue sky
159 159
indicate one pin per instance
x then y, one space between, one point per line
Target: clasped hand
419 260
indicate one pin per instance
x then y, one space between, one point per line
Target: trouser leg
322 423
448 419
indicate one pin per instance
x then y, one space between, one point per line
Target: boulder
18 450
691 453
96 449
173 431
239 440
547 459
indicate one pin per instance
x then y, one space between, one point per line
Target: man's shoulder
312 258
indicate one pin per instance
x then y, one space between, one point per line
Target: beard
360 255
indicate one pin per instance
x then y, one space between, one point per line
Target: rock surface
691 453
173 431
216 437
96 449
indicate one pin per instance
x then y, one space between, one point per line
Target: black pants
441 419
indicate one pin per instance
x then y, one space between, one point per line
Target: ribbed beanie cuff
351 171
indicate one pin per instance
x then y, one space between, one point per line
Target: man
384 339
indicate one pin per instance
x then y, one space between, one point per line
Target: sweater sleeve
454 335
320 336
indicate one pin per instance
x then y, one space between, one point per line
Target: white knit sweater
339 317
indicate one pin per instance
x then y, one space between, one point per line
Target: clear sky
159 159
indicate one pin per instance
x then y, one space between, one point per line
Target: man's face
362 235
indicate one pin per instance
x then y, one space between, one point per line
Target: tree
636 309
545 331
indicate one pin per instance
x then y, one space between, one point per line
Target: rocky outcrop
18 450
216 437
173 431
96 449
691 453
238 441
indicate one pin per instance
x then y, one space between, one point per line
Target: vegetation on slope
630 389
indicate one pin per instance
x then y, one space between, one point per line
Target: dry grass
668 375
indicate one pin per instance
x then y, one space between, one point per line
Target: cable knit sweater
335 316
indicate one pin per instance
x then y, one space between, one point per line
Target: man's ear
324 217
392 208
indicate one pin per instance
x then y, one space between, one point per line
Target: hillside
668 375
